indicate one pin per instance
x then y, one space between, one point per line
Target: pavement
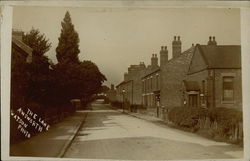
57 139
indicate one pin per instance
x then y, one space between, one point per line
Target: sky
115 38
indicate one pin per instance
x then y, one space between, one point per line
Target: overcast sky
114 38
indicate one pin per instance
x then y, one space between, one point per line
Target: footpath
141 116
52 143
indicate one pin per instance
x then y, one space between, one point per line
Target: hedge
226 119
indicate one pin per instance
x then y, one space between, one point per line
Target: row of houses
202 76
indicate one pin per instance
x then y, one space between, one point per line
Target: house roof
221 56
123 82
191 85
22 45
151 72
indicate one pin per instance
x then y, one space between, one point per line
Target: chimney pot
210 38
166 48
178 38
174 38
213 38
162 47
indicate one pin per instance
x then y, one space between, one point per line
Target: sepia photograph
125 83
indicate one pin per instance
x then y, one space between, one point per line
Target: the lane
109 134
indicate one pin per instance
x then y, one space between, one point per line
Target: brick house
20 51
173 72
214 77
130 89
21 54
151 86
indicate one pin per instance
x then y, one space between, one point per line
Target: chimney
176 47
18 34
163 56
211 41
125 76
154 61
214 42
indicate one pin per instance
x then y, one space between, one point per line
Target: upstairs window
228 90
151 83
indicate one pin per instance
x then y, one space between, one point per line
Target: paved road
109 134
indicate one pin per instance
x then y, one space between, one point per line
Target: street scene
111 134
126 83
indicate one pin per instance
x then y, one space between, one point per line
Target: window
157 82
151 83
228 90
143 90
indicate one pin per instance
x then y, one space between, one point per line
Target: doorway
193 100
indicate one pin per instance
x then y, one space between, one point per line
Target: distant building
111 93
130 89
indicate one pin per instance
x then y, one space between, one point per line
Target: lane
109 134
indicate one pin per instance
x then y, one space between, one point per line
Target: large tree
68 46
75 78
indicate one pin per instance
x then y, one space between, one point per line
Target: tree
39 79
68 46
37 42
77 80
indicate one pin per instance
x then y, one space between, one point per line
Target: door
193 100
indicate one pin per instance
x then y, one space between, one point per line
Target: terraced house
129 90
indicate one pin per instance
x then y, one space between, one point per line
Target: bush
226 119
186 117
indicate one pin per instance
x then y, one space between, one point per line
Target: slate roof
221 56
191 85
148 73
123 82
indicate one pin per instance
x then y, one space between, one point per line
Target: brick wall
172 75
199 77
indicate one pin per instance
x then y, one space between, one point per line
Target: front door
193 100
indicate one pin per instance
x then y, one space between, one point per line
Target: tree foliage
56 84
37 42
78 80
40 78
68 46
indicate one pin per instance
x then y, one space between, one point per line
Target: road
110 134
